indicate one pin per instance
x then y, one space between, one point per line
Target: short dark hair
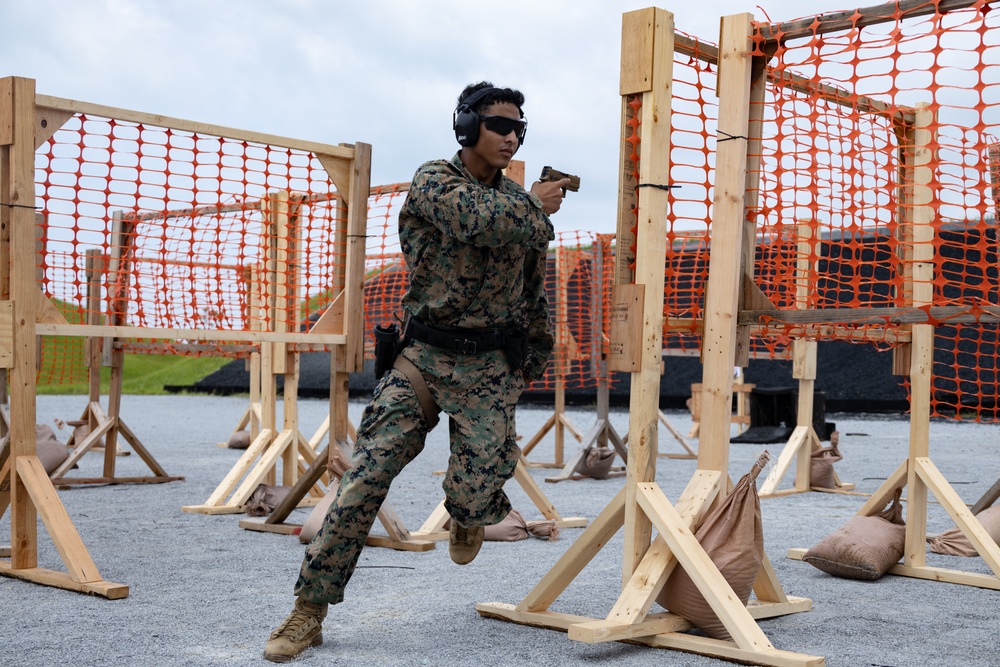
515 97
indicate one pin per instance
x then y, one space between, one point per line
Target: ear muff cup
465 122
466 125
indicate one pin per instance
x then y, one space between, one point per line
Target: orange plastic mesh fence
191 231
578 287
842 177
694 116
847 181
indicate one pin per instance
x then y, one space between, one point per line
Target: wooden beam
78 107
354 287
654 169
888 12
936 315
187 334
726 254
709 53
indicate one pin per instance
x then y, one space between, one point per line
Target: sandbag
514 528
865 547
733 537
821 472
596 463
954 542
264 499
239 440
51 452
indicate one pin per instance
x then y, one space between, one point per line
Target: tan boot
303 628
464 542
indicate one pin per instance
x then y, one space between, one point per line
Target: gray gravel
205 592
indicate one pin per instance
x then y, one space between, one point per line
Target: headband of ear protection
465 120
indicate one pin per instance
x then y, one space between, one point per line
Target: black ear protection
465 120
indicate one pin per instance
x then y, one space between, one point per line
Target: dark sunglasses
503 126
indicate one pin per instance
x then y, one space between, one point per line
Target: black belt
466 341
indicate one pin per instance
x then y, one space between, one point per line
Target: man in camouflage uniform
478 329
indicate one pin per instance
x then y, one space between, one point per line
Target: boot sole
281 657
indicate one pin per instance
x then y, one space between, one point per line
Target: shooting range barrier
208 241
834 137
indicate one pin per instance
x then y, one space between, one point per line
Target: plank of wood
888 12
654 170
62 580
75 557
577 556
875 316
236 473
157 333
79 107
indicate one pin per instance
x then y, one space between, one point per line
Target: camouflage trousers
478 393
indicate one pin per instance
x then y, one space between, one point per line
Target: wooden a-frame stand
274 292
602 433
332 462
918 473
804 440
24 486
108 425
647 63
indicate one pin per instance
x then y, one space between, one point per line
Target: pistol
550 174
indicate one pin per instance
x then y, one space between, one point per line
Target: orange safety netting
845 179
842 177
183 230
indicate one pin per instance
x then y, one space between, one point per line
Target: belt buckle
468 346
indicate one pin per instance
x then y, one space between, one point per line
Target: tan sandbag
315 519
239 440
264 499
821 472
514 528
733 537
865 547
954 542
51 452
597 463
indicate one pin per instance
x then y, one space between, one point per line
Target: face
494 151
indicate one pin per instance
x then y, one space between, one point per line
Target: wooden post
804 439
922 344
32 495
725 272
654 80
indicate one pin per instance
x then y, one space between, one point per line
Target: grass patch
147 374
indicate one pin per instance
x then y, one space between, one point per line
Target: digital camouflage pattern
476 256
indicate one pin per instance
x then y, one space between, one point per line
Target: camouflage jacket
477 255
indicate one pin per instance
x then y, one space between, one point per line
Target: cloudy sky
385 72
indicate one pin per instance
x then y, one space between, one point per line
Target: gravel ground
205 592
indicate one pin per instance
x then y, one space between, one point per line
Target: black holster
516 348
386 348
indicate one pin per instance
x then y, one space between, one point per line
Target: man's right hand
551 193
